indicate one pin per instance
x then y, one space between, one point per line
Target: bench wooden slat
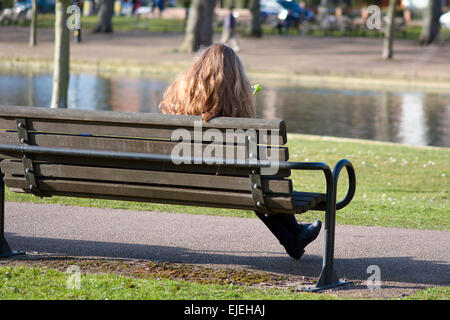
135 199
305 201
144 176
241 200
151 125
134 145
132 118
154 166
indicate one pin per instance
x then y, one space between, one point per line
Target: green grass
397 186
437 293
411 32
28 283
120 23
48 284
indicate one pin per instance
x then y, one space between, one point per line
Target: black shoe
296 251
308 233
302 225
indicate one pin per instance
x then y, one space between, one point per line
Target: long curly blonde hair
215 85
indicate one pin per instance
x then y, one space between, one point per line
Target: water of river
414 118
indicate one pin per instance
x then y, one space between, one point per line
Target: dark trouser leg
279 229
5 250
3 245
289 222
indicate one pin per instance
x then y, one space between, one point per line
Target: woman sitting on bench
216 86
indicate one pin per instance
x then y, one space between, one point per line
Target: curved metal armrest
329 177
305 166
351 181
311 166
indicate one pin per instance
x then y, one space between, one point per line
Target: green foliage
361 3
8 3
183 3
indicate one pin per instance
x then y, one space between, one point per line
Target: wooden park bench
130 156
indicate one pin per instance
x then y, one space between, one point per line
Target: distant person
303 13
289 21
134 6
216 86
160 5
229 30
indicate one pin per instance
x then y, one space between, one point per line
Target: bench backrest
188 184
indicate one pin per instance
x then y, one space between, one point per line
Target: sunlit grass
436 293
121 23
47 284
27 283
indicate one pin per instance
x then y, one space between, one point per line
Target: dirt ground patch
205 275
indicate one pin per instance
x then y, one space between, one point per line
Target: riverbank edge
300 136
329 80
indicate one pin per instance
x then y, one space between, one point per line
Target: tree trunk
62 52
33 39
105 14
186 5
255 23
199 29
431 24
389 31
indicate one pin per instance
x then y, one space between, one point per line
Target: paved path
404 255
284 55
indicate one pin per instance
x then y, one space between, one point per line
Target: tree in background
389 31
199 28
105 14
431 24
33 39
254 28
185 4
61 59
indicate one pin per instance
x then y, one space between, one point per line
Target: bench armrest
330 194
351 181
331 179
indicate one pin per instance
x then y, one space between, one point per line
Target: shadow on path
395 269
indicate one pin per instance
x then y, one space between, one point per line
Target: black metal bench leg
5 250
328 278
